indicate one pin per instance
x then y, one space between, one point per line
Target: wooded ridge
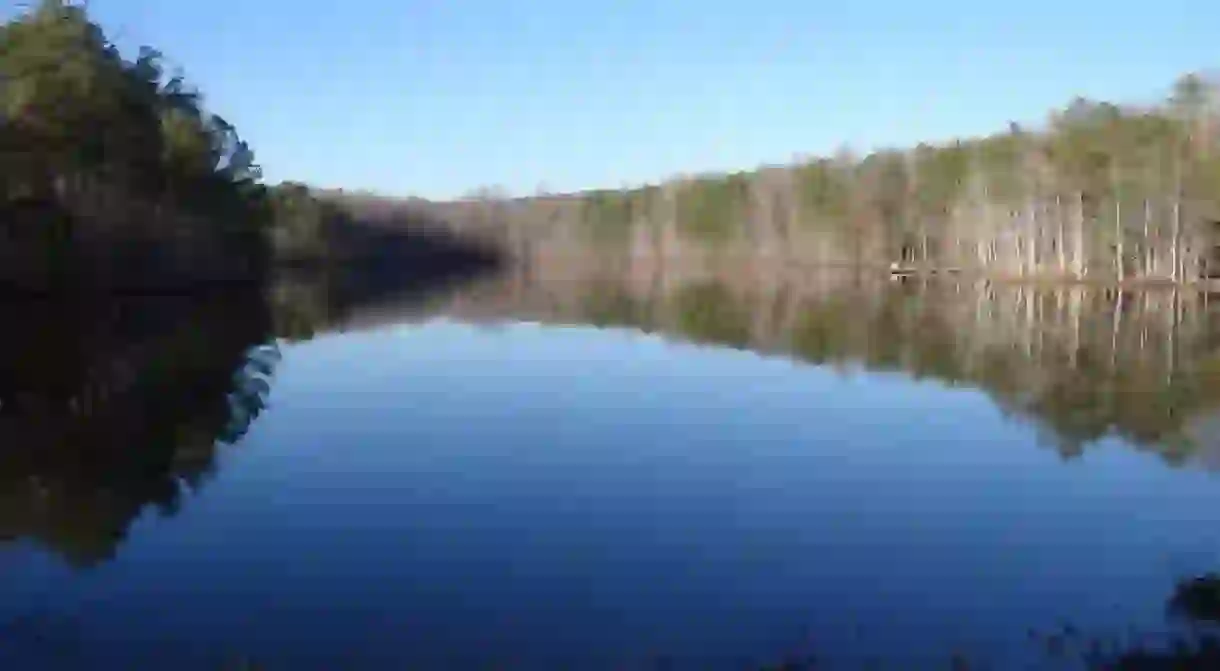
1103 192
111 168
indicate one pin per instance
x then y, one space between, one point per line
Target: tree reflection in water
1079 363
108 410
1194 645
1194 609
111 406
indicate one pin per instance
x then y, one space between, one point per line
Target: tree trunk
1078 251
1118 238
1115 328
1061 242
1033 238
1147 261
1176 236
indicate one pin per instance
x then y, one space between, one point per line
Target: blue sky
435 97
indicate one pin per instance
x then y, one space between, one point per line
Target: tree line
1100 192
112 167
113 172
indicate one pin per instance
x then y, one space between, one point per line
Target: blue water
444 496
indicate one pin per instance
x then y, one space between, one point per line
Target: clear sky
435 97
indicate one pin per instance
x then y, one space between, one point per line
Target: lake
605 467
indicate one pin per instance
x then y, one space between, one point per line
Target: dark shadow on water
1193 645
112 406
109 409
1197 599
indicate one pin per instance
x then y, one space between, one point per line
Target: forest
113 173
1099 192
112 168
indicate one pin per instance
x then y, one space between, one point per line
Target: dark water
612 469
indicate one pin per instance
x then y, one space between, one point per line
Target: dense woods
114 174
1100 192
112 165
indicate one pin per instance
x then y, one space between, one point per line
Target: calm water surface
608 471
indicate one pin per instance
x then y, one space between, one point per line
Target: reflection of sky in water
529 491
